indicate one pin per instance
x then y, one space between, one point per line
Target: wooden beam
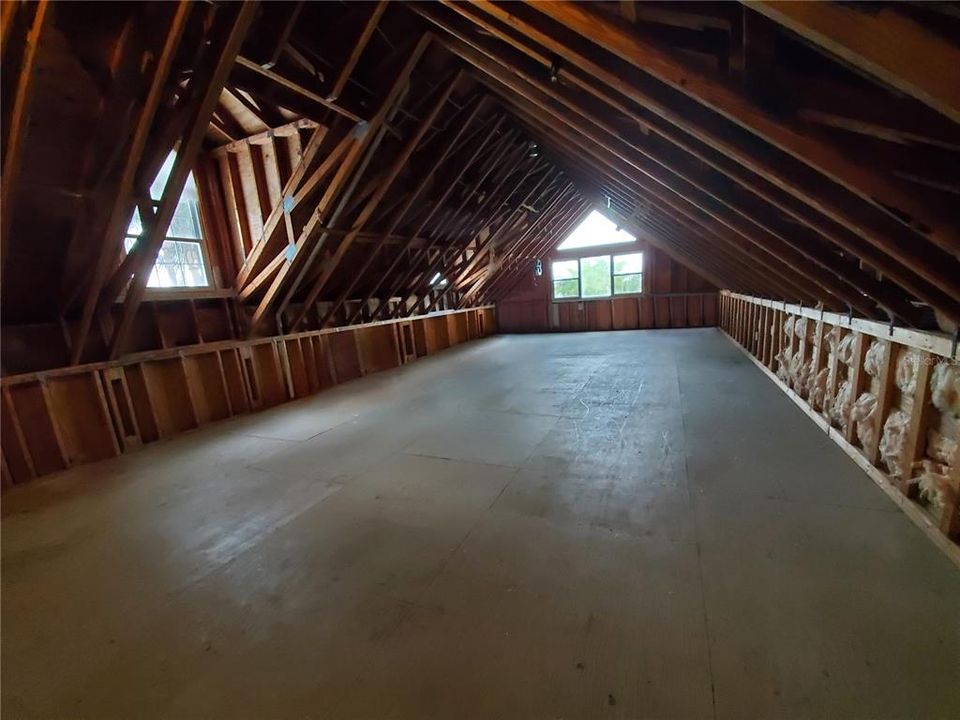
883 43
806 199
439 203
500 159
290 199
732 105
125 199
209 84
498 196
543 186
357 51
295 87
368 137
461 126
361 220
17 120
742 225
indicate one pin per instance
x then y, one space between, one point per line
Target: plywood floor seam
605 525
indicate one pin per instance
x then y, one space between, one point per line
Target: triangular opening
595 230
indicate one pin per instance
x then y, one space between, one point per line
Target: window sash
178 274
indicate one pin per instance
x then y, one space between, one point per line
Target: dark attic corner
690 450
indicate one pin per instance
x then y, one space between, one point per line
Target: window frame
614 275
200 241
612 295
554 281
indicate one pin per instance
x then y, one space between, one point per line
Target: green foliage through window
628 274
597 277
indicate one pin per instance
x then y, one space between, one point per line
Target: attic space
513 359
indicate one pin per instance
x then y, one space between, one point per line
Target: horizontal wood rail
54 419
872 389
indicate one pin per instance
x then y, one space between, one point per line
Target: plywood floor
604 525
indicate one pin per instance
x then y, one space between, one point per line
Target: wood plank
735 107
365 214
17 121
211 82
883 43
357 50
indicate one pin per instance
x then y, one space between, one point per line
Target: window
180 262
627 273
566 278
597 277
593 231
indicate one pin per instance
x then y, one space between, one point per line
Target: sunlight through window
595 230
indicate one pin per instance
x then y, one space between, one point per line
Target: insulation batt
783 365
908 364
941 448
800 328
788 326
840 410
935 486
862 414
818 392
845 349
945 388
876 356
806 377
891 442
833 339
795 369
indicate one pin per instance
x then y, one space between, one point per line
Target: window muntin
181 262
628 274
593 231
598 276
566 278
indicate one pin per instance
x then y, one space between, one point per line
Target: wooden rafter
423 255
293 86
126 188
732 105
436 205
207 83
449 145
337 194
883 43
16 120
365 214
358 47
704 143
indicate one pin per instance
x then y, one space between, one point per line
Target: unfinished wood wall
166 320
56 419
888 396
674 297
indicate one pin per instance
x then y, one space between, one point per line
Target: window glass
625 284
565 269
595 276
180 262
628 273
566 279
566 288
630 263
595 229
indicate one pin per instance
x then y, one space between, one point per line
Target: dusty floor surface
603 525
